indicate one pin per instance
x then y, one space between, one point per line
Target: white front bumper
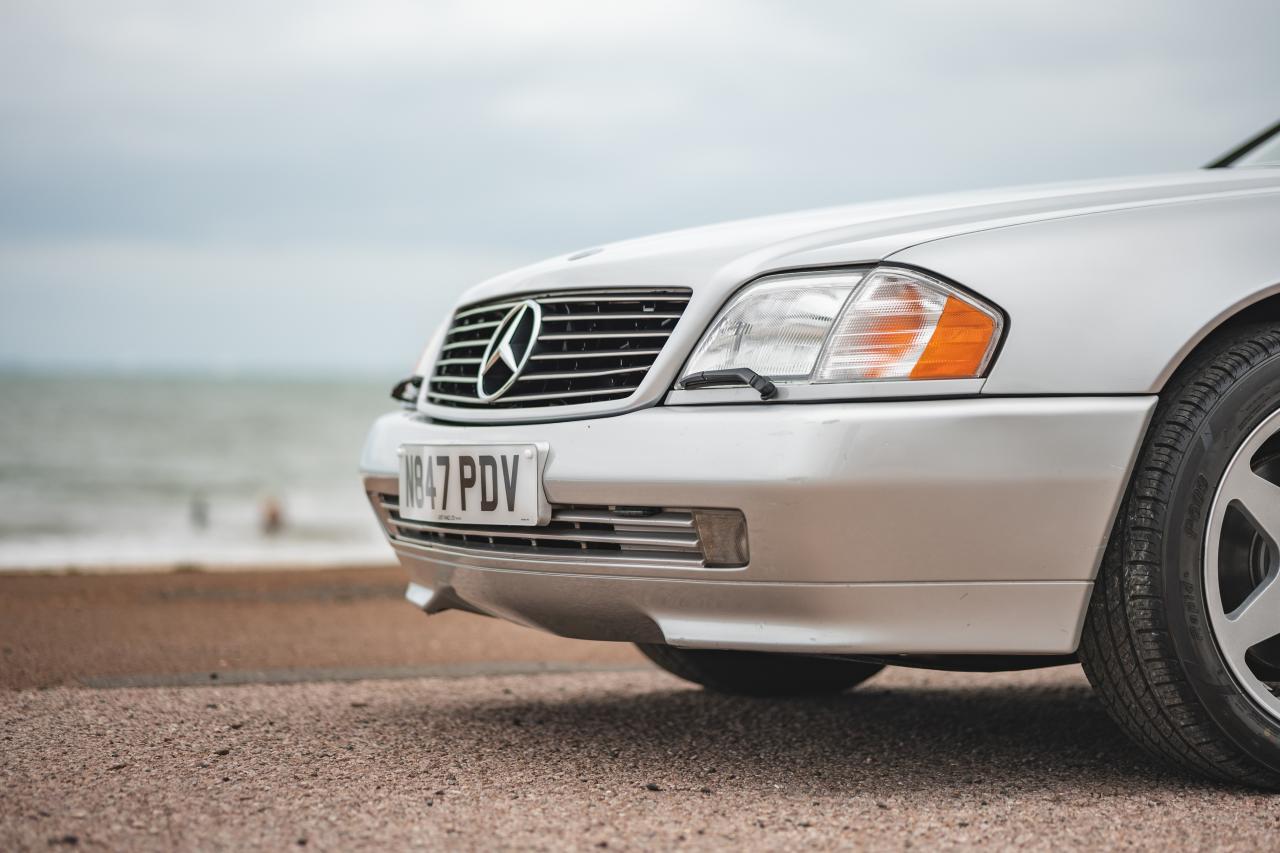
949 526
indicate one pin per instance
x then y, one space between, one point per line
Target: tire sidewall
1213 444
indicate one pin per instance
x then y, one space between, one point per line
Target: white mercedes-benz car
994 430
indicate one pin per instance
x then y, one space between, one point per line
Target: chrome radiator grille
621 535
587 346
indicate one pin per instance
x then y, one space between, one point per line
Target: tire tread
1126 648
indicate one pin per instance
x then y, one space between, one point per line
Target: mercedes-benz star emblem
508 350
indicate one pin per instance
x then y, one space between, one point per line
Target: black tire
1148 646
759 673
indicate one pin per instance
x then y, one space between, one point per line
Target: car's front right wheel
1182 637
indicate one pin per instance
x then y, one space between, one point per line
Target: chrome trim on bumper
666 539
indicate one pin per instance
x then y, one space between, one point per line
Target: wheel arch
1263 306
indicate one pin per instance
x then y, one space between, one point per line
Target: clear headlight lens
776 327
852 326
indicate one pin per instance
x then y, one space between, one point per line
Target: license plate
473 484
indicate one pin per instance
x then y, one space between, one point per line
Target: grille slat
667 296
487 324
459 344
597 315
628 536
594 392
669 520
440 396
594 346
484 309
574 356
580 374
598 336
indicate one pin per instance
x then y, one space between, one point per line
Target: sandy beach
275 624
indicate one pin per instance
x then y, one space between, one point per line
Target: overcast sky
280 186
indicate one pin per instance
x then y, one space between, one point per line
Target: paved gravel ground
630 760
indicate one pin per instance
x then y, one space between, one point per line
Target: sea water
111 471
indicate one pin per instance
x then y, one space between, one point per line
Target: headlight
851 326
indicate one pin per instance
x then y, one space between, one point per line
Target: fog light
723 536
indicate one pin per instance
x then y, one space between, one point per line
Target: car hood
714 260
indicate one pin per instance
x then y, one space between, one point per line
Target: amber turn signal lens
959 344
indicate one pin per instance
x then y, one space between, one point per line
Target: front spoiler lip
1010 617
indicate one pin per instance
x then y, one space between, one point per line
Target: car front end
868 496
896 429
997 430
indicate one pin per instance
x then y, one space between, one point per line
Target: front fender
1111 302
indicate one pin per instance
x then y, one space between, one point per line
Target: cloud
220 137
118 306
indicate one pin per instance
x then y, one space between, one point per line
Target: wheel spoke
1257 619
1259 498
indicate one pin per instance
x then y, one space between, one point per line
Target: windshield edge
1226 160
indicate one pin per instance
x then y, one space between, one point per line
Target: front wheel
759 673
1182 638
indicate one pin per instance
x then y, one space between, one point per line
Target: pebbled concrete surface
619 760
387 729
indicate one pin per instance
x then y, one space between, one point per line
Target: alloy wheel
1242 566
